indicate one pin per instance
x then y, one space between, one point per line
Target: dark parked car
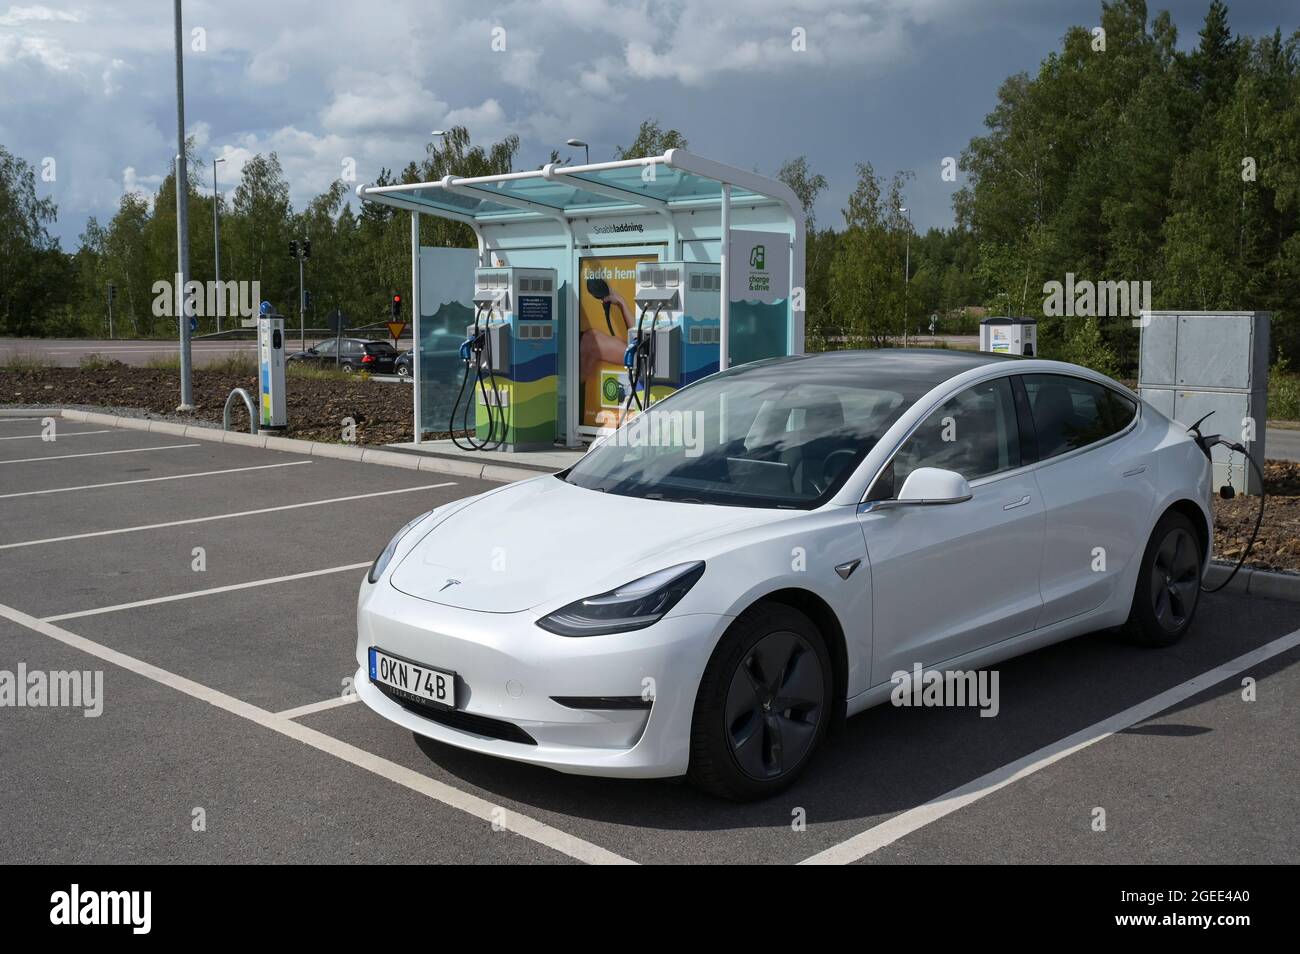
353 354
403 365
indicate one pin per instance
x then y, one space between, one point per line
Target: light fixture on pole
586 149
216 241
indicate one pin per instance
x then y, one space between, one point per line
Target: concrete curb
1249 581
499 473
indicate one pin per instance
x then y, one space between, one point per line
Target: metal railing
248 403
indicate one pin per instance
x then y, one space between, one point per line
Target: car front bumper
510 670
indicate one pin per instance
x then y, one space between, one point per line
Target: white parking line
151 480
208 592
905 823
223 516
312 707
129 450
480 808
60 435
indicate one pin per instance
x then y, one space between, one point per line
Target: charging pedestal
516 375
270 373
1006 335
678 331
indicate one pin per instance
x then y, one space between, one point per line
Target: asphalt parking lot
225 702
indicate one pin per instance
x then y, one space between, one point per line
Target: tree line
1122 159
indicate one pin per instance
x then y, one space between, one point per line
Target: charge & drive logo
75 907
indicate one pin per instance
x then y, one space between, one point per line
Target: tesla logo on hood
449 584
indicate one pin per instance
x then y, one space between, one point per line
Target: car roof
920 366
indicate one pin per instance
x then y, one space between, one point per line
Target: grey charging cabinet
1194 362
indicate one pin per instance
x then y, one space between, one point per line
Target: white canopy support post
415 319
724 306
572 386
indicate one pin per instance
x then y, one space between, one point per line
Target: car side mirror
933 485
311 350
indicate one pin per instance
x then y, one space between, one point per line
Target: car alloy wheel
763 705
775 702
1175 580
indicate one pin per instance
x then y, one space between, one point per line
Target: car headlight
632 606
381 562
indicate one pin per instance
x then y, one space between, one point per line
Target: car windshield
380 347
771 434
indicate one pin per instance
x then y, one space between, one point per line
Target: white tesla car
720 583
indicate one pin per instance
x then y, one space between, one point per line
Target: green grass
166 362
25 361
95 362
298 369
1283 395
239 362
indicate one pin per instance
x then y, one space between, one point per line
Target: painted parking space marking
151 480
129 450
211 591
223 516
516 822
313 707
904 823
60 435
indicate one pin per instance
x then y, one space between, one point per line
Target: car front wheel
763 705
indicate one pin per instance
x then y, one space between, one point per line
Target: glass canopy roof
567 193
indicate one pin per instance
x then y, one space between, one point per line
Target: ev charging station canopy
679 202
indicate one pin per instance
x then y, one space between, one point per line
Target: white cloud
17 16
92 83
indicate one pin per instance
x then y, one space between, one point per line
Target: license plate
413 680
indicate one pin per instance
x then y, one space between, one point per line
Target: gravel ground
317 404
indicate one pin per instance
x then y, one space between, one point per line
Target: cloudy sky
900 83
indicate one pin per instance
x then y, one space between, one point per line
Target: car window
352 347
974 433
1071 412
380 347
770 437
325 347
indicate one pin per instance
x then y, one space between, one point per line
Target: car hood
544 540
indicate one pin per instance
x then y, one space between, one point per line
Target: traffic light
306 248
112 292
397 306
293 248
307 299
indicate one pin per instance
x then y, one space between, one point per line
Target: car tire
1168 584
744 746
403 371
347 368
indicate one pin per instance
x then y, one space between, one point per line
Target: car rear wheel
1169 584
763 704
347 368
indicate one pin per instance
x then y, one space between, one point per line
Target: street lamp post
182 222
216 241
586 149
907 268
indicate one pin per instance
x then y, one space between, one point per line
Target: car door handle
1018 503
1134 471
